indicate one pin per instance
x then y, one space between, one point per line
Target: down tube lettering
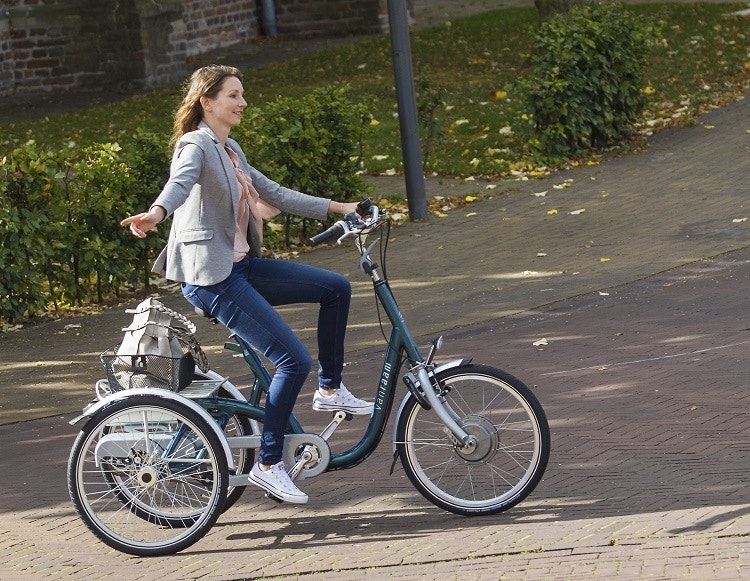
384 378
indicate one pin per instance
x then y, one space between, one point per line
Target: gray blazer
203 194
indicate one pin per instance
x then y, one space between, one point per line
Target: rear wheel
148 476
510 449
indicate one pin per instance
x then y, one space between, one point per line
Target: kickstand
395 459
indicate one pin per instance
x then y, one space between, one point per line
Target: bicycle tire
134 496
509 458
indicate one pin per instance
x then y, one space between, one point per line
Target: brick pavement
646 391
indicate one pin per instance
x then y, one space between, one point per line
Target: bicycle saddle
210 317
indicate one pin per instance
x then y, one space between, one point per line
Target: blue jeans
244 303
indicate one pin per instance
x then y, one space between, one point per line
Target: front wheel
510 448
148 476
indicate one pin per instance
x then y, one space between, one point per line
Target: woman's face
225 110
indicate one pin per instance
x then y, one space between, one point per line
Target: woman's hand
140 224
342 207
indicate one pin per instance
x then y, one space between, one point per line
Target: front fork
422 383
429 396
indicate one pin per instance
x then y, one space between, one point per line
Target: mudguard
96 406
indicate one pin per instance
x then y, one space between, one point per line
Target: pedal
272 497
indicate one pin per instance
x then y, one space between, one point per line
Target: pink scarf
250 206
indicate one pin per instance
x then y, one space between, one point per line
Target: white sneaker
343 400
276 481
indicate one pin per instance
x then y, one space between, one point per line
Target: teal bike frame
401 342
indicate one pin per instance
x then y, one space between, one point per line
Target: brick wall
58 45
331 17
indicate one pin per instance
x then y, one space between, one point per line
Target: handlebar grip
364 207
335 231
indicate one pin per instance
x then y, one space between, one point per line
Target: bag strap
189 325
187 339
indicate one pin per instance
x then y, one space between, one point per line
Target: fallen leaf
471 214
603 294
577 212
551 212
738 220
541 194
540 342
604 259
541 254
471 199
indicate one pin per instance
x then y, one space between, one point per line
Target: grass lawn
702 61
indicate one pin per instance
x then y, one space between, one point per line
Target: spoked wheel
508 453
148 476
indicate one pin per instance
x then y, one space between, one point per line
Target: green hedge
586 89
60 239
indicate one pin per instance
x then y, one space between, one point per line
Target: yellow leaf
649 90
374 122
604 259
471 199
501 94
441 214
551 212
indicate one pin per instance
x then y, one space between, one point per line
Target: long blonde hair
204 82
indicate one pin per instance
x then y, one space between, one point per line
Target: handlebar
366 214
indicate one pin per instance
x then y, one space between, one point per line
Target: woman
214 249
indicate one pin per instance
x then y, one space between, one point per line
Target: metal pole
407 109
268 17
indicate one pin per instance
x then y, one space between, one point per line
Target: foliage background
67 179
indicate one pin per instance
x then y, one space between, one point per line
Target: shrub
60 238
31 225
311 144
586 89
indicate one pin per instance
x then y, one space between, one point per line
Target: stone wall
331 17
59 45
